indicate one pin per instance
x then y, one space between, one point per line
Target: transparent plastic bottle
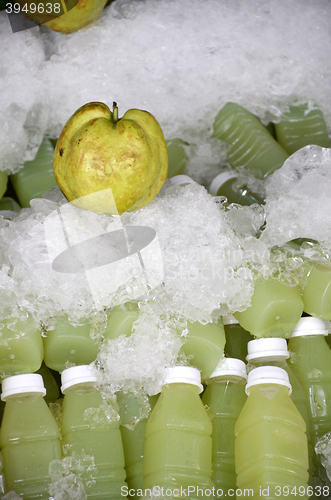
181 180
21 347
271 449
236 338
311 361
67 343
177 156
51 386
300 127
91 433
29 437
121 319
250 144
225 397
316 290
204 346
36 177
273 352
225 184
134 414
178 444
274 311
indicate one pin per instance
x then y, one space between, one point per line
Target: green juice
316 291
21 347
236 338
311 361
225 397
90 432
250 144
204 346
178 445
121 319
29 441
271 450
133 436
69 344
226 184
299 127
274 311
177 156
36 177
274 352
52 388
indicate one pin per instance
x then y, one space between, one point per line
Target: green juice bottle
36 177
311 361
273 352
271 449
204 346
21 347
225 397
181 180
51 386
299 127
226 184
178 444
316 290
67 343
177 156
91 433
250 144
134 416
121 319
8 207
236 338
29 437
274 311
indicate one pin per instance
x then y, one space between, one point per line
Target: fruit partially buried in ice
65 16
122 162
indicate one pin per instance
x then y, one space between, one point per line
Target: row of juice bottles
250 145
254 428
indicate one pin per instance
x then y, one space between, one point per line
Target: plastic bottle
315 284
181 180
274 352
177 156
226 184
236 338
311 361
251 145
299 127
274 311
21 347
51 386
36 177
67 343
29 437
134 415
121 319
178 444
225 397
8 207
204 346
3 183
91 433
271 450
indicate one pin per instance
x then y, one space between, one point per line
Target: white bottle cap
230 367
179 180
272 348
309 326
268 375
229 319
184 374
219 180
77 375
20 384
